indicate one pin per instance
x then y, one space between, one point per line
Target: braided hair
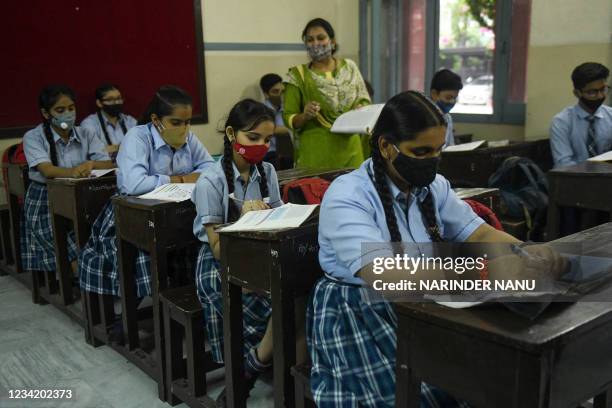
403 117
46 99
164 101
246 115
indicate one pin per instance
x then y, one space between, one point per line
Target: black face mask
113 110
592 104
416 172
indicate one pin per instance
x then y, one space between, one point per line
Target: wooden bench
186 367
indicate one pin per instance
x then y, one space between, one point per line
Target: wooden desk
75 204
585 185
473 168
283 264
486 196
285 176
157 227
491 357
18 182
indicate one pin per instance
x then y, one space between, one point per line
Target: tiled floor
41 348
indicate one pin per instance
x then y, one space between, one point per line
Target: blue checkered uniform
98 264
37 244
352 344
256 308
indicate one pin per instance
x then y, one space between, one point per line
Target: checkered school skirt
256 308
352 345
99 267
37 244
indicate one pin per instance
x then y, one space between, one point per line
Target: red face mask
252 154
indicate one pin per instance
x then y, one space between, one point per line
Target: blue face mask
445 106
64 121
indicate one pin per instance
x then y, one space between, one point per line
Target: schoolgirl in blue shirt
240 182
109 122
55 148
394 196
159 152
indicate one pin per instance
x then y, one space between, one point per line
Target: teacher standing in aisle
316 94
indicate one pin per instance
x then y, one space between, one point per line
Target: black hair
268 81
446 80
102 89
402 118
244 116
48 97
588 72
369 88
324 24
164 101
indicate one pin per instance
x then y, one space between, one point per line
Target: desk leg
283 332
63 269
233 342
127 261
159 278
407 388
603 400
554 216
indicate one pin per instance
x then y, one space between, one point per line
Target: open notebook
360 120
286 216
175 192
94 174
604 157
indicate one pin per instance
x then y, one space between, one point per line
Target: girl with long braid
396 196
55 148
240 182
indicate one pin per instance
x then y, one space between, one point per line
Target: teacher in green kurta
316 94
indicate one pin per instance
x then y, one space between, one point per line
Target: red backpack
305 191
485 213
13 154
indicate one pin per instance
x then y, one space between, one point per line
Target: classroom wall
564 33
232 75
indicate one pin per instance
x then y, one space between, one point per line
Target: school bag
485 213
524 193
305 191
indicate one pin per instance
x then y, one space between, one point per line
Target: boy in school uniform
109 122
444 90
55 148
272 87
585 129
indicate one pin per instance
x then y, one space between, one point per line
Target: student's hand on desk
253 205
190 178
534 262
83 170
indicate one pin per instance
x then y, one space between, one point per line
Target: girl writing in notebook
396 196
55 148
151 155
240 182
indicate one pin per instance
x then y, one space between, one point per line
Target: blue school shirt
450 136
115 132
83 145
146 162
211 196
352 213
278 121
569 131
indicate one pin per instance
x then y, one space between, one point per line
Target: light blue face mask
64 121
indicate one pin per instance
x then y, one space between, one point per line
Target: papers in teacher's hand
604 157
360 120
285 216
464 147
176 192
